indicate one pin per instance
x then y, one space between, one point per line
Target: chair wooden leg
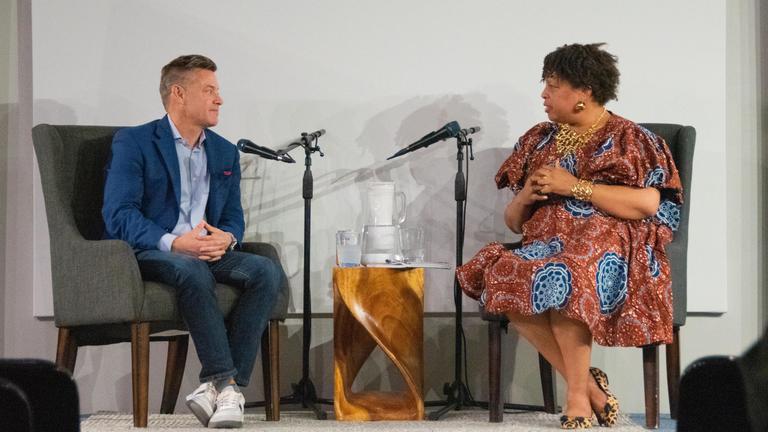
266 351
174 372
673 371
651 384
66 350
495 403
547 384
270 354
274 366
140 372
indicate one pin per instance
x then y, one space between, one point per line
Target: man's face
201 99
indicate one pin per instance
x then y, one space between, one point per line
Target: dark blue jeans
223 351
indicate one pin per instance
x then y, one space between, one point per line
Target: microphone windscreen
453 128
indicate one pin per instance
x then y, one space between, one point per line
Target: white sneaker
202 402
229 409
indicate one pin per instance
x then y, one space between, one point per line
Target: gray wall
7 97
103 373
23 335
399 76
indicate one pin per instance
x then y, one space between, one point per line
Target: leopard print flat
609 415
568 422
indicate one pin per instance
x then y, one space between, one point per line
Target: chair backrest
681 141
72 161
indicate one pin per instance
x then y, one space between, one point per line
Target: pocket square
227 173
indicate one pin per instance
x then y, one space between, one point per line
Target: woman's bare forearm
626 202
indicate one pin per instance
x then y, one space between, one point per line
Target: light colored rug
456 421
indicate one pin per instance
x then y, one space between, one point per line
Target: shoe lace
228 399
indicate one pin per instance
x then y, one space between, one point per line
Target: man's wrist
233 243
165 243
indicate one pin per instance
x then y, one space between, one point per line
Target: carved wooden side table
381 307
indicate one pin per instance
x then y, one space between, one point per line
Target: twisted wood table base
378 307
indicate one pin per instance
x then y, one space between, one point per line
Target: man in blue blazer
173 193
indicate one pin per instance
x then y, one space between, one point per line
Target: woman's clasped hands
549 179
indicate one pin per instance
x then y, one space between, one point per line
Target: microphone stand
304 391
457 392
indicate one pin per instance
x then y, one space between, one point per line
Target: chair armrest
96 282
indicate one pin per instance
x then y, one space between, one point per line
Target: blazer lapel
164 142
214 163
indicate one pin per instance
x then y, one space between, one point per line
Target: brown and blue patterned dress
610 273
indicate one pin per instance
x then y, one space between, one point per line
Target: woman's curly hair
585 67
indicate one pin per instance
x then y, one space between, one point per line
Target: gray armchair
681 141
99 297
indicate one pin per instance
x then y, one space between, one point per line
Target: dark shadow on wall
426 176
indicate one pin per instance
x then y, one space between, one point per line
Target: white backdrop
377 76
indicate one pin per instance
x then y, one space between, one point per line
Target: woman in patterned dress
597 198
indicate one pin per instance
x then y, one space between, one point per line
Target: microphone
247 146
469 131
450 130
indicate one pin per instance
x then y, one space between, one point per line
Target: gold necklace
568 140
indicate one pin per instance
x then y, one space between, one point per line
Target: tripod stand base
458 398
304 394
463 400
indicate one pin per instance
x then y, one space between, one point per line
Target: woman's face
560 99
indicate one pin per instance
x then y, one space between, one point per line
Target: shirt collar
177 136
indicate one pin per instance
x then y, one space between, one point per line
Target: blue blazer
143 187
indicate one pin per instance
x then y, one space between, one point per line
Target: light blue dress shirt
195 186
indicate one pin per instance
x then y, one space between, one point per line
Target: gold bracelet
582 190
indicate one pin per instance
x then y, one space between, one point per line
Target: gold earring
580 105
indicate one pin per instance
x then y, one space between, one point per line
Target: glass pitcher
383 201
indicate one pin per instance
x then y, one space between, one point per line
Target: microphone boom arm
307 141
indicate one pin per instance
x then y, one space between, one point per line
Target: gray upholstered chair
681 141
99 297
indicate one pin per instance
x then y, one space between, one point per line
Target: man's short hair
177 70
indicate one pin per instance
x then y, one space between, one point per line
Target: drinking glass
347 248
412 244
